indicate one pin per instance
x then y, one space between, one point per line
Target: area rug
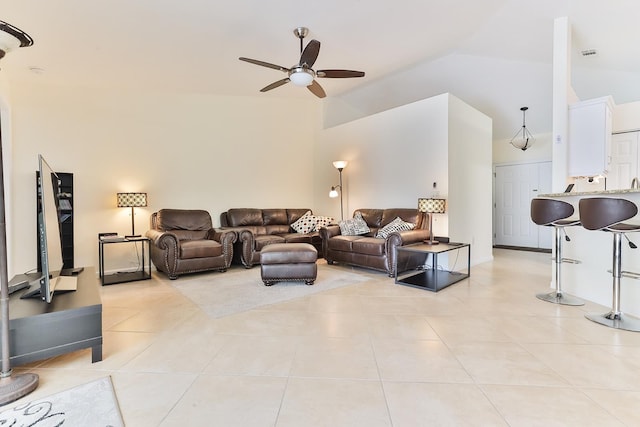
240 290
90 405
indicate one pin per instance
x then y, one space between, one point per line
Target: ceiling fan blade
275 85
264 64
339 74
310 53
316 89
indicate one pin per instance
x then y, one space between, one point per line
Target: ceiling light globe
301 78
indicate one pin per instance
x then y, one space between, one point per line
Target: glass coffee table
432 267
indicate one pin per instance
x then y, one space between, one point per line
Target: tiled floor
484 352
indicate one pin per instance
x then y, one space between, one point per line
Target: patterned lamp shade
132 200
432 205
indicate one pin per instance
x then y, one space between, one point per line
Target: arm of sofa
164 250
226 238
325 234
401 238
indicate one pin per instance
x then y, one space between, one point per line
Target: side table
143 273
413 267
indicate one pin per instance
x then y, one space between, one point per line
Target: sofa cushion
190 234
406 214
305 224
297 237
199 249
182 219
274 217
369 246
267 239
342 242
396 225
244 216
373 217
354 226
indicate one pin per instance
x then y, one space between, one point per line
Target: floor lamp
12 387
431 206
340 165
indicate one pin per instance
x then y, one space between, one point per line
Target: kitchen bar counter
629 191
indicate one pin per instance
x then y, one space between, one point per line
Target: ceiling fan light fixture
12 38
301 76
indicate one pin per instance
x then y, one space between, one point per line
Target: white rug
237 290
90 405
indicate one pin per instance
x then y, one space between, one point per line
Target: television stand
72 321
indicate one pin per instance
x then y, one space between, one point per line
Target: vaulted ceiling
194 45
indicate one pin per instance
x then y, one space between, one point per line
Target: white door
624 160
515 186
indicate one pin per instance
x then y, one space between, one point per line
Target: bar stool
607 214
555 213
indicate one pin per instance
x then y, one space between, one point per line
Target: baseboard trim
522 248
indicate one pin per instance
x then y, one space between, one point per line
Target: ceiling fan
302 74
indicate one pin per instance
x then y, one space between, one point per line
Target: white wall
470 175
395 156
626 117
185 151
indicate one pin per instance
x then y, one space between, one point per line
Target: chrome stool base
615 320
560 298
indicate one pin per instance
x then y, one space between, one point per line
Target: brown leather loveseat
184 241
366 250
257 228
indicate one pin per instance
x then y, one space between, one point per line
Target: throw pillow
396 225
323 221
354 226
305 224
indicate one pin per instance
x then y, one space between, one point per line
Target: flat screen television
51 262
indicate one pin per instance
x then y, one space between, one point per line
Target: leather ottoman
281 262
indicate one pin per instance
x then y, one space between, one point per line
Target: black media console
72 321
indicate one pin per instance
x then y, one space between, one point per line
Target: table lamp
132 200
431 206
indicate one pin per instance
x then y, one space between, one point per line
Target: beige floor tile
465 328
229 401
179 353
418 360
337 324
427 404
327 357
588 365
533 329
621 404
250 355
548 406
145 399
333 402
263 322
401 327
504 363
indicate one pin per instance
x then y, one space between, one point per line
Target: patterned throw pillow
354 226
323 221
396 225
305 224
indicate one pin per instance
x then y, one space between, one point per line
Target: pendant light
523 138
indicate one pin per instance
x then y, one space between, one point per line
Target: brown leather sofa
257 228
368 251
184 241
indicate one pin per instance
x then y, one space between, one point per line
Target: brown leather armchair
184 241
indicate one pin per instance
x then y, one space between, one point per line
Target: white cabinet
624 160
590 137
